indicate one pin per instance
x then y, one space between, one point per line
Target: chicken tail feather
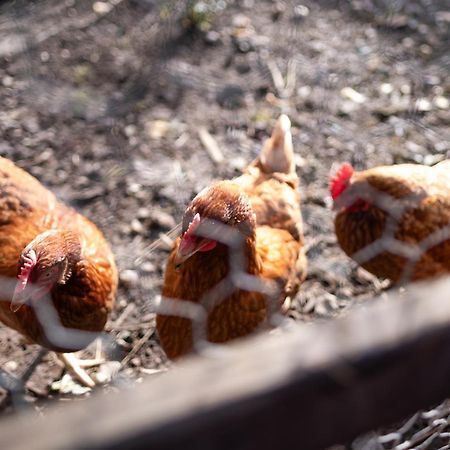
277 154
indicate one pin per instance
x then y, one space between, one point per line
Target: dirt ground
103 103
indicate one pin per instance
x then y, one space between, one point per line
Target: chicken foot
76 366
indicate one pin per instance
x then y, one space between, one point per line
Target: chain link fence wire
107 104
423 430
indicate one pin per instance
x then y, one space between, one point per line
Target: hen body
83 301
406 203
261 207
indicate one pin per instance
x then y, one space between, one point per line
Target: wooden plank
309 387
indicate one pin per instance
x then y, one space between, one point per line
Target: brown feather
264 208
85 294
424 194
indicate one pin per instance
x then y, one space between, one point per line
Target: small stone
239 163
101 8
425 50
101 378
241 21
373 62
304 91
431 160
432 80
386 88
244 45
301 11
143 213
135 362
137 226
45 56
414 148
442 146
11 366
107 372
212 37
441 102
353 95
347 107
162 219
423 105
134 188
443 16
408 42
129 278
299 160
405 89
157 129
242 65
122 304
130 130
148 267
231 96
7 81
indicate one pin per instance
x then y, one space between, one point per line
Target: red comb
340 180
29 261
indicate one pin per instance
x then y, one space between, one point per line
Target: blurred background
108 103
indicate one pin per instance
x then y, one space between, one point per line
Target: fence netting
126 109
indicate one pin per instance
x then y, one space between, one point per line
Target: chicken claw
76 366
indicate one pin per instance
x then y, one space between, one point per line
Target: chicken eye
49 273
45 275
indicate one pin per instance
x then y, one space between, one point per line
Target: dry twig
210 145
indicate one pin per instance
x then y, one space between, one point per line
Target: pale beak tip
18 299
180 259
181 255
15 305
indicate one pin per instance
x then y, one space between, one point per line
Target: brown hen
395 220
59 277
235 233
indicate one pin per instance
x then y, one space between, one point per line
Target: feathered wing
272 183
97 257
282 260
428 226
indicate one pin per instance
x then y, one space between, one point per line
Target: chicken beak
345 200
24 294
189 246
181 257
21 296
186 249
338 205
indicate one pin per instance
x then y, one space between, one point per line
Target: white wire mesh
124 156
